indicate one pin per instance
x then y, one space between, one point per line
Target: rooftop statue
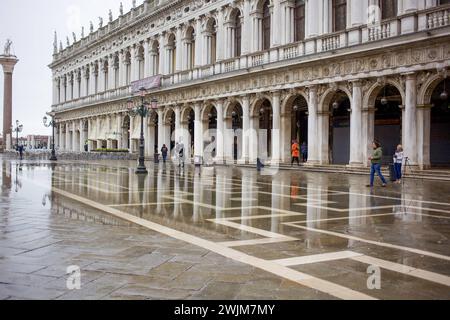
110 15
7 51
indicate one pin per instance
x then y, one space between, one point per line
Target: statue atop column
7 51
121 9
110 16
55 44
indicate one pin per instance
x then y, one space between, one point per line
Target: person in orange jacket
295 153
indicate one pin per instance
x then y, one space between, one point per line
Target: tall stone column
276 127
178 133
245 129
220 133
355 126
423 136
410 129
8 62
313 152
198 133
161 129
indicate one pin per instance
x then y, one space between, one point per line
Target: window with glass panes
339 15
388 9
299 19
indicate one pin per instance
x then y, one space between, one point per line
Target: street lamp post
52 124
17 129
143 111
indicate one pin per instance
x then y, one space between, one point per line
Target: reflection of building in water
266 71
68 209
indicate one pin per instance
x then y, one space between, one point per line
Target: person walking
375 160
21 152
164 152
398 162
304 151
295 150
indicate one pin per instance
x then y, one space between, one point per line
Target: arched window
95 78
211 39
128 68
141 58
78 79
339 15
388 9
87 80
299 20
442 2
106 74
266 24
172 53
190 48
236 33
116 71
155 57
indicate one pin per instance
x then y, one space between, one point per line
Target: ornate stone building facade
250 76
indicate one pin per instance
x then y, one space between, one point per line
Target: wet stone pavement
218 233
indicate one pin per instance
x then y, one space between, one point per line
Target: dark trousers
164 158
398 171
376 168
305 156
295 159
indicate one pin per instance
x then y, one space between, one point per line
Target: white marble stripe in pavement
377 243
328 287
407 270
243 243
323 257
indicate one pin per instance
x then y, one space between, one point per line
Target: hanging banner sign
147 83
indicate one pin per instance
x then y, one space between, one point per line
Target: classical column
198 43
276 127
368 133
313 141
313 18
56 138
178 133
323 129
220 154
61 138
134 74
62 89
275 24
198 142
246 28
147 59
76 85
8 63
179 53
220 35
410 129
68 142
161 129
245 129
82 136
74 138
423 136
356 126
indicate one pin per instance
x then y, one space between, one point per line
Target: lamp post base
53 158
141 170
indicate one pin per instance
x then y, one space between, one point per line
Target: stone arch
373 92
229 106
259 4
257 102
427 89
328 95
289 100
168 112
207 109
185 112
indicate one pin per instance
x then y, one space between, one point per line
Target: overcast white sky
30 25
